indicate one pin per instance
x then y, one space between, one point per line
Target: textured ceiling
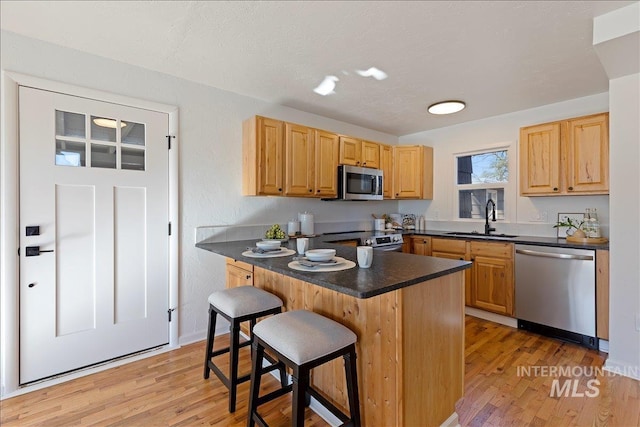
499 57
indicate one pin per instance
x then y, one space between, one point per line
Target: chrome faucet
487 228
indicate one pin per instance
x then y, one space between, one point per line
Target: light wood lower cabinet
239 273
490 283
410 347
421 245
493 278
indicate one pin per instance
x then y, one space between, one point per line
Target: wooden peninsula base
410 346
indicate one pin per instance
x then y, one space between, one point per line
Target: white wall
210 156
624 346
500 131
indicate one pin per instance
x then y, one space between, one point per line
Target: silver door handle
553 255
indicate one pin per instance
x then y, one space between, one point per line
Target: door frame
9 214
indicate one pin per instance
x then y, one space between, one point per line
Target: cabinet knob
248 276
555 188
462 259
570 188
357 163
279 189
364 164
311 190
317 191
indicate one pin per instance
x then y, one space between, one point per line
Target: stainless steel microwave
356 183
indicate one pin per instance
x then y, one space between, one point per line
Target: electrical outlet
539 216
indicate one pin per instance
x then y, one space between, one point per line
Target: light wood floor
168 389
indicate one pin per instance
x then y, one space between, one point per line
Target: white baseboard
492 317
603 345
622 369
452 421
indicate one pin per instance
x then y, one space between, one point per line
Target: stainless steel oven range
385 242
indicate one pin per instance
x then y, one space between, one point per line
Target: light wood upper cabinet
386 164
300 160
370 154
350 151
262 157
356 152
587 141
413 172
540 159
566 157
327 152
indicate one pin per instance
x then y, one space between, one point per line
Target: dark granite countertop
526 240
389 271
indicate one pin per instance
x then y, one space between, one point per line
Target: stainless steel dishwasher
556 292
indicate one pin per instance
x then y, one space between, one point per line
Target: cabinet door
238 276
326 163
492 285
299 160
421 245
406 179
270 146
540 159
370 154
349 151
587 142
386 164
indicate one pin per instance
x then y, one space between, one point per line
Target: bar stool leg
352 385
210 337
233 372
257 354
300 385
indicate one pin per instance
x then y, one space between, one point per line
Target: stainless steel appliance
385 242
356 183
556 292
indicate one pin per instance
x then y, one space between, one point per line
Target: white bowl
320 254
268 244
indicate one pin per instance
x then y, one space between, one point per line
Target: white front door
94 200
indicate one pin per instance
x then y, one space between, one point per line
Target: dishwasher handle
553 255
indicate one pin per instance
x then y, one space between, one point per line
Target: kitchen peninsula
408 313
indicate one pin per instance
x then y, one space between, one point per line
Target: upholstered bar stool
303 340
237 305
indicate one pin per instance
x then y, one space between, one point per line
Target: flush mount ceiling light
108 123
446 107
327 86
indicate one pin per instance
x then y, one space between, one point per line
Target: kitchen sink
484 236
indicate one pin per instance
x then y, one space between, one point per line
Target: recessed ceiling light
107 123
446 107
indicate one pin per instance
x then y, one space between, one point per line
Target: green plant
569 223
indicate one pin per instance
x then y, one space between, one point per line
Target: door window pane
103 156
70 153
103 128
132 133
132 159
70 124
